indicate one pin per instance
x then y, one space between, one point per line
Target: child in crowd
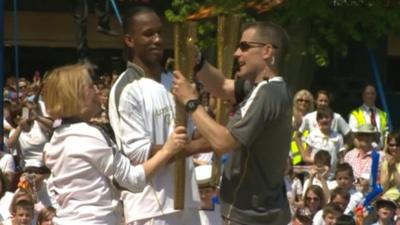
22 213
302 216
331 212
345 220
294 187
210 212
324 138
319 172
340 197
46 216
345 179
385 210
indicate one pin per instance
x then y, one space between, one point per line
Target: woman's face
393 147
104 98
90 100
322 101
313 202
303 103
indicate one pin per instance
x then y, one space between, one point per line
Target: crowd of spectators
329 174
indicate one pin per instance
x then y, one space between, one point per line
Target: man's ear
129 41
267 52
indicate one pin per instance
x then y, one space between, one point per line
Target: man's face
251 58
369 96
147 40
322 101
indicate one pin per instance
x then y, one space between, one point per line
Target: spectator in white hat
210 210
360 157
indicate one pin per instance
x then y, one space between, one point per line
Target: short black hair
130 13
273 34
324 113
345 220
322 157
345 167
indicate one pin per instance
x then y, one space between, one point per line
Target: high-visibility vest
294 149
359 115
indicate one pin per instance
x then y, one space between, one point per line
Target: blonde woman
303 103
390 169
82 158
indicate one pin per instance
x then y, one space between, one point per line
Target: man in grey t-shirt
258 135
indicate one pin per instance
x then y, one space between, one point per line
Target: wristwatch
191 105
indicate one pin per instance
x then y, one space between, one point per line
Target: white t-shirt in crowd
338 124
7 164
31 143
5 203
332 144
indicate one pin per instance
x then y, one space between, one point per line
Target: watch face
191 105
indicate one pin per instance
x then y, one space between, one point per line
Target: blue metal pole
117 14
16 50
379 86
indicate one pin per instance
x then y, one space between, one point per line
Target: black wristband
199 63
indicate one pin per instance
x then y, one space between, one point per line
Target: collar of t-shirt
272 79
166 76
367 108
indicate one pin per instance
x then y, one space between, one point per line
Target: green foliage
321 24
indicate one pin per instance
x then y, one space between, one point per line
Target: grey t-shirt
252 190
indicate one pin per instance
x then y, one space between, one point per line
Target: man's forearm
198 146
215 82
219 137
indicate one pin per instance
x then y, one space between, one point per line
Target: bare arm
175 142
46 124
219 137
13 139
199 145
215 82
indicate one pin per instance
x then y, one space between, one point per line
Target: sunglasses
303 100
312 198
393 145
246 45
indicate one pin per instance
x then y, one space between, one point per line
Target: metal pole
379 85
116 11
16 50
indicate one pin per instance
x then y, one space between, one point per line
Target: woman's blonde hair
303 93
63 90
